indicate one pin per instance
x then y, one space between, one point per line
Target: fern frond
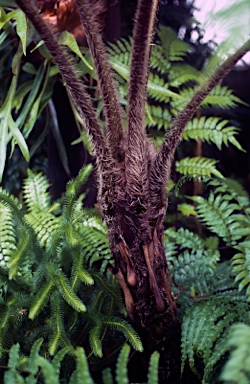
158 116
82 370
221 97
32 367
217 212
56 362
241 267
45 226
8 241
107 377
41 299
130 334
213 130
204 325
95 340
59 337
73 190
236 369
198 167
121 365
48 370
121 50
22 252
67 292
153 368
35 192
182 74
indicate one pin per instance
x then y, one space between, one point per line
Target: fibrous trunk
141 269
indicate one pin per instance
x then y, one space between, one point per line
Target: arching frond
198 167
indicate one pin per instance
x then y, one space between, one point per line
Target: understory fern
37 368
213 290
50 280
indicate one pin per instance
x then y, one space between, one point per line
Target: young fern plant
132 173
47 285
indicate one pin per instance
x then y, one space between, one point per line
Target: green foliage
171 84
236 370
213 293
36 368
49 283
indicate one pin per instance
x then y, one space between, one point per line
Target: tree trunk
141 269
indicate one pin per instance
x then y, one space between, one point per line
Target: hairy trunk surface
141 269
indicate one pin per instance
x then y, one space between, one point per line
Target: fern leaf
221 97
198 167
22 249
241 267
95 340
130 334
45 226
216 213
32 366
107 377
82 369
121 365
41 299
7 234
67 292
49 373
213 130
56 362
236 369
153 368
35 192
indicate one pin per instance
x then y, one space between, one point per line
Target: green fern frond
12 202
121 365
158 117
121 50
182 74
8 241
45 226
32 367
41 299
213 130
95 340
56 362
107 377
153 368
198 167
48 370
23 251
73 190
218 212
82 374
175 48
221 97
191 264
35 192
241 267
205 323
130 334
237 368
59 337
67 292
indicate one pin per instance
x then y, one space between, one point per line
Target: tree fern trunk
142 272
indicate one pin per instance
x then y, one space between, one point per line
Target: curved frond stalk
161 168
75 87
41 299
95 340
136 156
111 104
67 292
